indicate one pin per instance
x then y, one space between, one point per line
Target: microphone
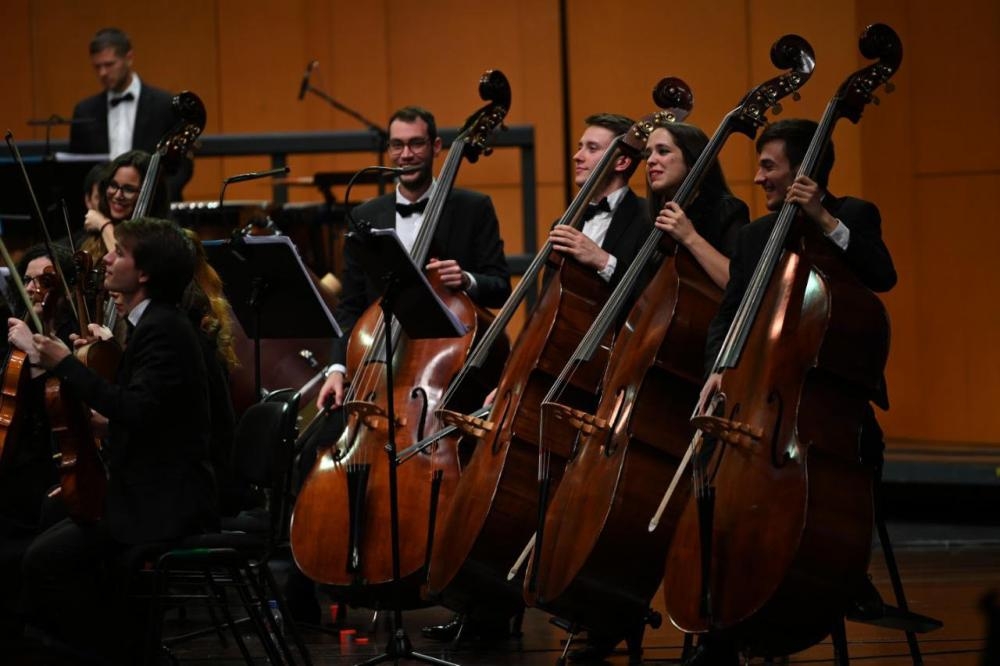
304 88
412 168
254 175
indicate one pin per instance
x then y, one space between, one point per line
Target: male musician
160 484
854 227
616 223
129 114
467 253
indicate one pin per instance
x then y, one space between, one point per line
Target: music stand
407 297
270 291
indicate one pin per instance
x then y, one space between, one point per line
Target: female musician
209 311
29 471
119 192
670 153
706 230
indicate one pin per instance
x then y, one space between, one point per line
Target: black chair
205 568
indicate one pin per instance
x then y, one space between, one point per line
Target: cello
494 503
340 530
779 488
639 430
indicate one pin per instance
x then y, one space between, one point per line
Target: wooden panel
953 55
245 58
956 380
16 49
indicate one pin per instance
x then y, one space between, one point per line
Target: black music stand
407 296
270 291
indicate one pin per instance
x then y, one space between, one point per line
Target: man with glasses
467 253
129 114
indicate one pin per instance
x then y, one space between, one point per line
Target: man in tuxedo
156 414
616 222
129 114
854 229
466 252
852 225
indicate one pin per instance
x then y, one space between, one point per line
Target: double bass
495 501
777 530
624 449
340 531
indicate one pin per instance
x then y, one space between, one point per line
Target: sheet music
456 323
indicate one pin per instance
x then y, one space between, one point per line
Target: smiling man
616 222
128 114
466 250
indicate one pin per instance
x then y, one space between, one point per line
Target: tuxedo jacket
866 255
630 227
160 482
154 117
467 232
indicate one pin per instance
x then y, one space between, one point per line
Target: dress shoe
443 632
866 604
472 629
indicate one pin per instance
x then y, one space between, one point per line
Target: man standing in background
128 114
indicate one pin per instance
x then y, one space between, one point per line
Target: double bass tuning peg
890 87
776 109
796 96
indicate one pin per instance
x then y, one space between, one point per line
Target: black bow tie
595 208
127 97
406 210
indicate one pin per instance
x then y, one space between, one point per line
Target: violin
13 385
340 531
779 487
623 450
493 509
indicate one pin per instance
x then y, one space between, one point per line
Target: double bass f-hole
778 458
616 421
418 393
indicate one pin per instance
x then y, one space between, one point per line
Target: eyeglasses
128 191
415 145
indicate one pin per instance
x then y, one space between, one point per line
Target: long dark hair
139 159
692 141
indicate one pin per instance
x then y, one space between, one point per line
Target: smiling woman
118 195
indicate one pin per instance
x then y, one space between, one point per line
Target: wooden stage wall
929 155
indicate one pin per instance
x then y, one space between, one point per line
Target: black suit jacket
160 483
467 232
154 117
630 227
866 255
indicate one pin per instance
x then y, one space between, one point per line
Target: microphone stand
381 135
259 285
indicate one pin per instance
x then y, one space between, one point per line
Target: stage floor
945 581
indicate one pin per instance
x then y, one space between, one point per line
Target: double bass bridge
371 415
728 430
470 425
